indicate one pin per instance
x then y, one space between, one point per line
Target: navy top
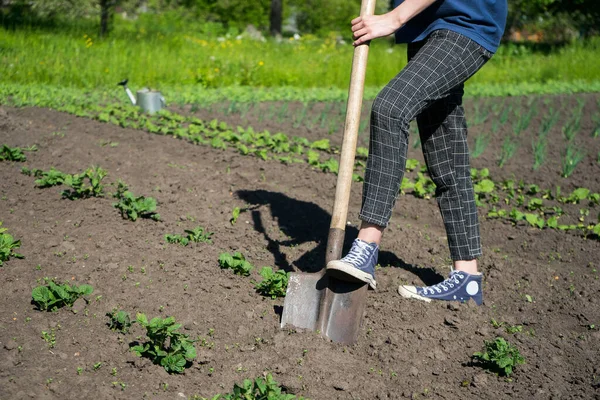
480 20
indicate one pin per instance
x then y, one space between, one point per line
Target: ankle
370 233
468 266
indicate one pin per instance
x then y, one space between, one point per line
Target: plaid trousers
429 88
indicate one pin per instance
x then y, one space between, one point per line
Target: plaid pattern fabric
429 88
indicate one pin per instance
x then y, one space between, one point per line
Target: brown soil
405 349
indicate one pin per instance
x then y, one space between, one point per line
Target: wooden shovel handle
344 180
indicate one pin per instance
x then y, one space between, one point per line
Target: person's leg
439 64
443 132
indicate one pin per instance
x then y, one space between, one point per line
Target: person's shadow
304 222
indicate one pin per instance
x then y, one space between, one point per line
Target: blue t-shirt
480 20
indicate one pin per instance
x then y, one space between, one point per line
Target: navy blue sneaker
358 265
459 286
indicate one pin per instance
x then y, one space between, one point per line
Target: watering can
148 100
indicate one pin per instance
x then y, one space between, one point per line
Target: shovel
318 301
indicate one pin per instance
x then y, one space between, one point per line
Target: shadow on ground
304 222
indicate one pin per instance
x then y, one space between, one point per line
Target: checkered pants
429 88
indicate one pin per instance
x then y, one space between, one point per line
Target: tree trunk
276 16
106 7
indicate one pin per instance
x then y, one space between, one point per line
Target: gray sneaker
358 265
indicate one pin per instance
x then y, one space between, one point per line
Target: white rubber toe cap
410 292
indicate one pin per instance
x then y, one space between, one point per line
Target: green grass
187 58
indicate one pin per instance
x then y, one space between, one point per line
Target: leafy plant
572 156
274 284
236 262
48 178
540 150
234 215
77 183
499 356
133 207
196 235
173 350
7 246
259 389
571 127
79 190
53 296
481 142
12 154
509 147
120 321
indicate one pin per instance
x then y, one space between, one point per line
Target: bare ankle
370 233
468 266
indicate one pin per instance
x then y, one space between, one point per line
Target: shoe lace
358 254
446 284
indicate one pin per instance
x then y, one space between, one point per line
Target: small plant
12 154
120 321
50 337
52 177
7 246
79 190
173 350
572 156
235 213
259 389
274 284
196 235
499 356
77 183
509 147
540 150
53 296
481 142
133 207
237 262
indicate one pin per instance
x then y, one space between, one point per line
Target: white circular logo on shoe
472 288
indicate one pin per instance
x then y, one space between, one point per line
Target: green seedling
499 356
173 350
572 156
259 389
481 143
540 150
53 296
509 147
423 187
274 284
119 321
77 183
133 207
576 196
79 190
234 215
50 337
411 164
12 154
236 262
571 127
196 235
48 178
7 246
322 144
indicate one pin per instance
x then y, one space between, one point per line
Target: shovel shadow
306 222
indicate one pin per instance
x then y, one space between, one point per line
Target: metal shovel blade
303 299
320 302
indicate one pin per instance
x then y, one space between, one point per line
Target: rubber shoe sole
410 292
348 273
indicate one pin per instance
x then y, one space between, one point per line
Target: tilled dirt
406 349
